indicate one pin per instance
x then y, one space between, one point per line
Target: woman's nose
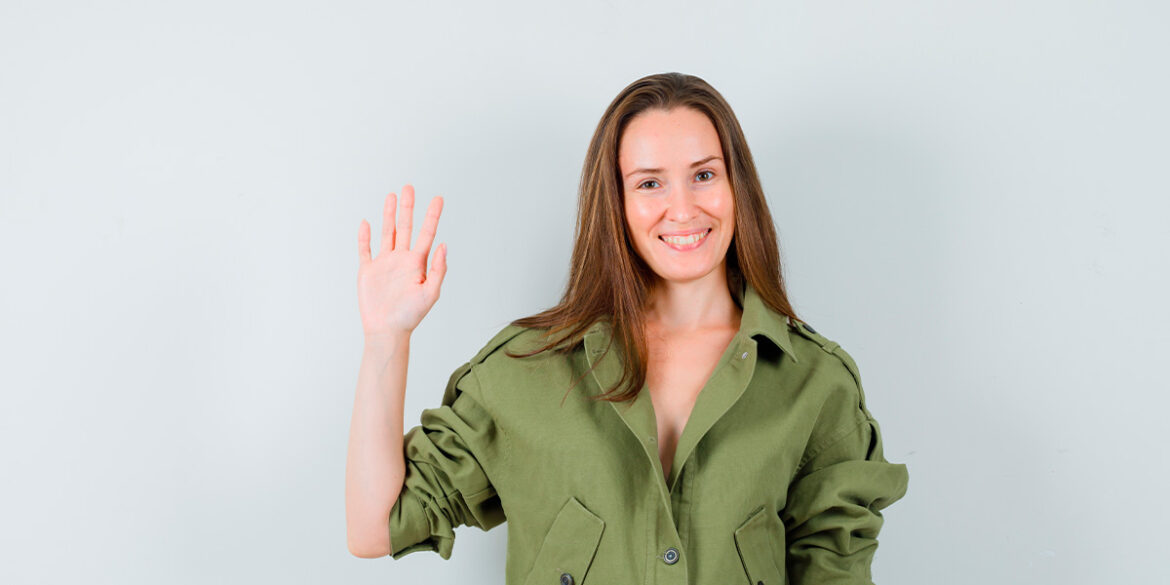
681 204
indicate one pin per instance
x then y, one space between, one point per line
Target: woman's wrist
387 341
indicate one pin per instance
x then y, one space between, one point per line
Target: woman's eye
701 173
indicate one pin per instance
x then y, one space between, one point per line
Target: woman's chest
739 411
676 373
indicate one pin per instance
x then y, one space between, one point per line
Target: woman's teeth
684 240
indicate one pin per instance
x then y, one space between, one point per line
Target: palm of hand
395 291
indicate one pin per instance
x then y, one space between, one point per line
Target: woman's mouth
685 243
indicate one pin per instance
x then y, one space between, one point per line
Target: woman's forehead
655 140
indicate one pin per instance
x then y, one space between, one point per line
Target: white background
971 199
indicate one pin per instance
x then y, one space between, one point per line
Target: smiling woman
681 214
714 438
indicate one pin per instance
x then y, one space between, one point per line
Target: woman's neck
682 307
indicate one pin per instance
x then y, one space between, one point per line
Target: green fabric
778 477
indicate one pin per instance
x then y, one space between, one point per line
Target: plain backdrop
971 199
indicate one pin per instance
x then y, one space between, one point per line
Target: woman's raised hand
395 290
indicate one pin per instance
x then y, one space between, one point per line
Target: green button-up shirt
778 476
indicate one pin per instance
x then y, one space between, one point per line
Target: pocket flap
755 539
569 546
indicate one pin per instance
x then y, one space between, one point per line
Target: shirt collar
760 319
757 319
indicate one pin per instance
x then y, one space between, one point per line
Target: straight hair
608 279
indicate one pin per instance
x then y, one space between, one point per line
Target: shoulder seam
834 349
499 340
846 359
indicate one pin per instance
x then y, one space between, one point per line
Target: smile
685 243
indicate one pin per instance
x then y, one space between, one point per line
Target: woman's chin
683 275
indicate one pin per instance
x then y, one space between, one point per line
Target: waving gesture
395 290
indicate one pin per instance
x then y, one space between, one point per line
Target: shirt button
743 356
566 579
670 557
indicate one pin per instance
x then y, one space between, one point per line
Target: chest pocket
568 548
758 539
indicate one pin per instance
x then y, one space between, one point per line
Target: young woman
713 436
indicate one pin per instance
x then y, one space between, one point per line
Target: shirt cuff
410 529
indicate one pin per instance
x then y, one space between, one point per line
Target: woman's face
676 189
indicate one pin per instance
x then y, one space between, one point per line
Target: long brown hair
608 280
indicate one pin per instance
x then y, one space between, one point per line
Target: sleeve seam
833 439
485 390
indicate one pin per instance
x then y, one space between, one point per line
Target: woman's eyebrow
693 165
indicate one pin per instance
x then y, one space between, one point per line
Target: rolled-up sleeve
833 513
450 457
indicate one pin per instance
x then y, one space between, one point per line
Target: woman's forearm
375 465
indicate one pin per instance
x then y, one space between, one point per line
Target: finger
389 209
438 271
426 235
364 242
402 238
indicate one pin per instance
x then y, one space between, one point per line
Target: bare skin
395 292
674 182
680 365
